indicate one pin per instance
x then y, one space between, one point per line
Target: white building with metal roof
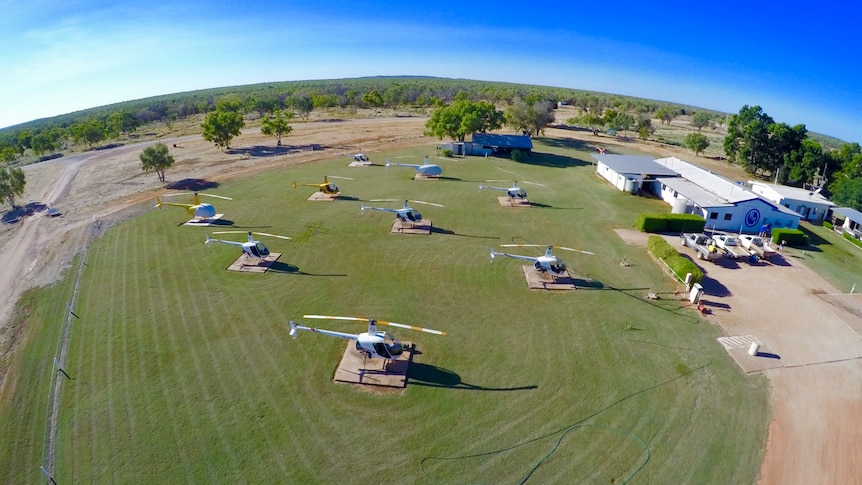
852 220
726 206
811 205
631 173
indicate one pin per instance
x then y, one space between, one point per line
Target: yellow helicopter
326 187
196 209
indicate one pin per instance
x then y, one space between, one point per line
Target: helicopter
254 249
196 209
426 169
326 187
545 264
514 192
406 214
372 344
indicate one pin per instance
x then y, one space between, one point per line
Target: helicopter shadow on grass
433 376
349 198
447 232
539 205
195 185
553 161
287 268
18 212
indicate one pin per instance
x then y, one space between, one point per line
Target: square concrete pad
247 264
401 227
200 222
511 202
354 368
419 176
738 347
321 196
360 164
542 281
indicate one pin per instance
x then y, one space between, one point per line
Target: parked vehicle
757 245
730 245
702 244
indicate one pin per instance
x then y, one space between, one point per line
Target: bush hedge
681 265
663 222
792 237
852 239
828 225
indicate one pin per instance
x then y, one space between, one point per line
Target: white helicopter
428 169
372 344
545 264
254 249
196 209
513 192
406 214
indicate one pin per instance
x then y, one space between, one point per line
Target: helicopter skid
512 202
202 221
354 368
247 264
421 227
420 176
539 280
324 197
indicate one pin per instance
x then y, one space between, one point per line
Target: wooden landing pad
355 369
360 164
542 281
246 264
324 197
513 202
401 227
201 222
420 176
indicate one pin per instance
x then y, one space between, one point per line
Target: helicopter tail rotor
158 203
493 254
209 240
292 329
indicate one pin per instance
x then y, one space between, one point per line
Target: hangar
485 144
726 206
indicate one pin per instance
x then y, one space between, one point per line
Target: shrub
852 239
448 153
520 155
792 237
670 223
681 265
828 225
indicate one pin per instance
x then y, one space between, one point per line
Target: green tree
277 125
666 114
123 122
372 99
592 120
220 127
747 140
700 119
12 182
156 157
7 153
89 131
697 142
43 142
301 103
462 117
848 193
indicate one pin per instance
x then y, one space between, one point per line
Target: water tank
680 206
754 349
630 185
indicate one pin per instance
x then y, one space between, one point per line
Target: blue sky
800 66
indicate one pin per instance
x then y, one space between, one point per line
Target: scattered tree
700 119
462 117
747 140
220 127
697 142
372 99
277 125
156 157
12 182
666 114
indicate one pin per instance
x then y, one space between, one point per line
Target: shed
810 205
852 220
632 173
503 143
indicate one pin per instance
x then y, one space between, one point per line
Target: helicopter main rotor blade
383 200
337 177
381 322
230 232
270 235
428 203
573 249
216 196
532 183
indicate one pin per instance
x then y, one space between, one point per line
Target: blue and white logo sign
752 217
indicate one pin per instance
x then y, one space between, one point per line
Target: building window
728 216
713 215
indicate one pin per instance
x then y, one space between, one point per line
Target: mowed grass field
184 372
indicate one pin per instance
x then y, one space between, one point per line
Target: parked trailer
730 245
757 245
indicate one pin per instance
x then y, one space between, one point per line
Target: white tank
754 349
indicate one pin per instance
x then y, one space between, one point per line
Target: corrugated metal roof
718 186
636 164
794 193
695 193
503 141
852 214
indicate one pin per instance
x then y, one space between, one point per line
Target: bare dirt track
816 393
